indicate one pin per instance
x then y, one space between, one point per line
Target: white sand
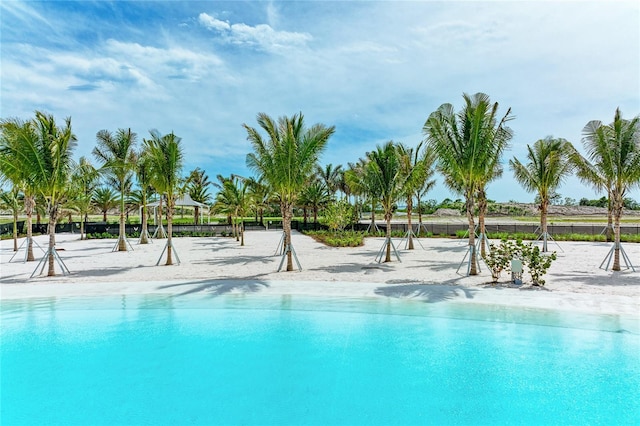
574 283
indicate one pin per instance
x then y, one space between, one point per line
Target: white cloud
261 35
213 23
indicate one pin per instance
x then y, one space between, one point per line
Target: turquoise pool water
289 360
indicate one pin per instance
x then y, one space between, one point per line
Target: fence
436 228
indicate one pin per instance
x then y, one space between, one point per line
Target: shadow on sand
428 293
218 287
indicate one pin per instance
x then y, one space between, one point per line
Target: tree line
466 147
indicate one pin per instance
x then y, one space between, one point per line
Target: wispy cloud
261 36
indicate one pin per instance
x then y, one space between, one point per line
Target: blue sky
375 70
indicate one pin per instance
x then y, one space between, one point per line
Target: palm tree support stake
143 233
159 232
625 258
380 255
545 236
607 228
375 225
466 234
26 249
469 253
280 249
56 256
406 237
115 247
287 249
175 252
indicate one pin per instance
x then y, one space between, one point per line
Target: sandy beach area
218 265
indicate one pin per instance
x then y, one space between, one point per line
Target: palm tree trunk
387 217
242 233
617 214
544 207
144 237
169 233
473 259
161 233
287 215
15 229
81 227
122 242
29 205
53 215
315 214
609 232
482 211
410 229
419 216
373 216
196 215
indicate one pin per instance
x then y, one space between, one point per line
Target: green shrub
338 239
537 264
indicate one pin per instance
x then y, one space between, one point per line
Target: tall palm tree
386 173
233 199
165 165
12 200
428 159
315 195
143 177
84 181
465 143
259 197
330 176
43 150
361 183
16 138
198 184
104 199
414 175
548 165
117 154
612 163
286 160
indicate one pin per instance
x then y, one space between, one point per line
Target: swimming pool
289 360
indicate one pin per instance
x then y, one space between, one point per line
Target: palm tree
84 182
104 199
141 196
198 188
117 154
548 165
612 163
233 199
360 181
386 174
330 176
165 165
43 150
12 200
259 197
414 175
286 160
17 138
428 159
315 196
465 143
